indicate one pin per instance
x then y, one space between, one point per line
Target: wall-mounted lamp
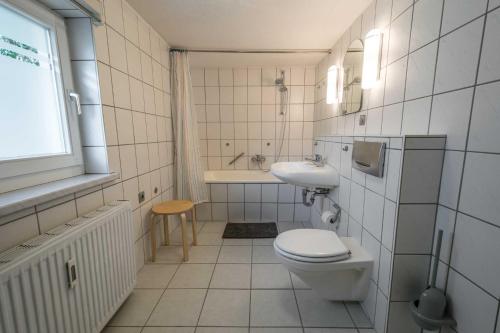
371 58
332 85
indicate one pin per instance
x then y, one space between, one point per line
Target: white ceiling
251 24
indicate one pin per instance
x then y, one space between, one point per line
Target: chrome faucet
318 160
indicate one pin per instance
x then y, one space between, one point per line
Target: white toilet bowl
335 268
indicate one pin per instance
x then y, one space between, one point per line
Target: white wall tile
472 308
458 57
125 126
471 259
254 76
450 115
286 193
420 76
489 68
400 36
416 116
480 195
114 14
485 121
392 115
130 25
89 202
269 193
357 202
394 90
121 89
372 246
18 231
117 54
52 217
415 229
285 212
236 211
450 179
252 193
459 12
128 161
409 277
400 319
269 211
252 211
219 211
426 22
421 176
374 212
392 189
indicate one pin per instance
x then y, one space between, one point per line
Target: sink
307 174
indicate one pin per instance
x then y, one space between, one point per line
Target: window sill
17 200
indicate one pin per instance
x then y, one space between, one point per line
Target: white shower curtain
189 170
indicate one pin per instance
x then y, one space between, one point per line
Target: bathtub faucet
257 158
236 158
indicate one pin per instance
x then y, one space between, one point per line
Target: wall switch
142 196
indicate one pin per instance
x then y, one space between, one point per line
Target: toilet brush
432 302
428 311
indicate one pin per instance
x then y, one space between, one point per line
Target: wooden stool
172 207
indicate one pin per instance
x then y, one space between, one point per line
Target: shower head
281 82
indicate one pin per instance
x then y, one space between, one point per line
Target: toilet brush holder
429 310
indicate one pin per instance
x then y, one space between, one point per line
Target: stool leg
152 231
195 238
184 237
165 229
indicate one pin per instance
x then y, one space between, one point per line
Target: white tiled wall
239 111
254 203
392 217
368 212
131 97
440 75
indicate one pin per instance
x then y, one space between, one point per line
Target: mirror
352 95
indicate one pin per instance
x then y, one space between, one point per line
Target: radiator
72 278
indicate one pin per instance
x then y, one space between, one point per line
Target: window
38 124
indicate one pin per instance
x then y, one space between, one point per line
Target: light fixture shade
371 58
332 85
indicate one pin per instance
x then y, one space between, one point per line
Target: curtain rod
249 51
88 10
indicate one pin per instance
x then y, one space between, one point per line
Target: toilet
336 268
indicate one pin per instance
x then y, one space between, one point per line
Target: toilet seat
311 245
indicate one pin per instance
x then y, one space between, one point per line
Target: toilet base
348 285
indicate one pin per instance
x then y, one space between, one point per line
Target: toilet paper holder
331 217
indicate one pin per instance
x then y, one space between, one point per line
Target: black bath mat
250 230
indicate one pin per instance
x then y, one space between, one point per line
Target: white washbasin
306 174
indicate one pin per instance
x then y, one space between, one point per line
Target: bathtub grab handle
236 158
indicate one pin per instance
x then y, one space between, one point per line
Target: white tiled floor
229 286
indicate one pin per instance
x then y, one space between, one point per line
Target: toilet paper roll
327 217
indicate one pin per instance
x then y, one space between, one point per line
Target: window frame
30 171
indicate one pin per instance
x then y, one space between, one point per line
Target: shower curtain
190 181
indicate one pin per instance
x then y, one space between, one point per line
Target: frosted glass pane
32 119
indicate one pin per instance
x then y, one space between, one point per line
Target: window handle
76 97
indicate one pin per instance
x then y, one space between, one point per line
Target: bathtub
251 195
240 177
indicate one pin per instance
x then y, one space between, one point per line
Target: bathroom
250 166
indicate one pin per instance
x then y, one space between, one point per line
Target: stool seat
173 207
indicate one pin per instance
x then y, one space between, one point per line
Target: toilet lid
311 243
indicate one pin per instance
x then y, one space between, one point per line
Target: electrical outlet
142 196
362 120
